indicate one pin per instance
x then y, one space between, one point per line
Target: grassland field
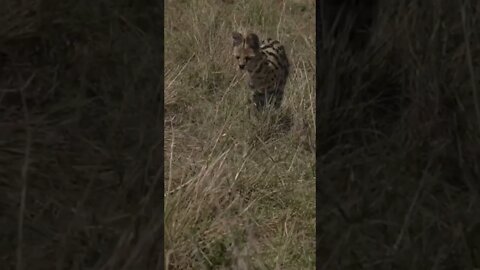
245 195
376 168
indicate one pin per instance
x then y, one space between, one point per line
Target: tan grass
239 191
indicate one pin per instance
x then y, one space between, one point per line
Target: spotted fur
267 67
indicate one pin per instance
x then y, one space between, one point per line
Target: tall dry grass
80 135
239 189
399 141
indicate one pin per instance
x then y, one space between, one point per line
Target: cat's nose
241 66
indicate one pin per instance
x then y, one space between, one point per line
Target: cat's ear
253 41
237 38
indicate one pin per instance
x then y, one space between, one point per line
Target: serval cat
267 67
